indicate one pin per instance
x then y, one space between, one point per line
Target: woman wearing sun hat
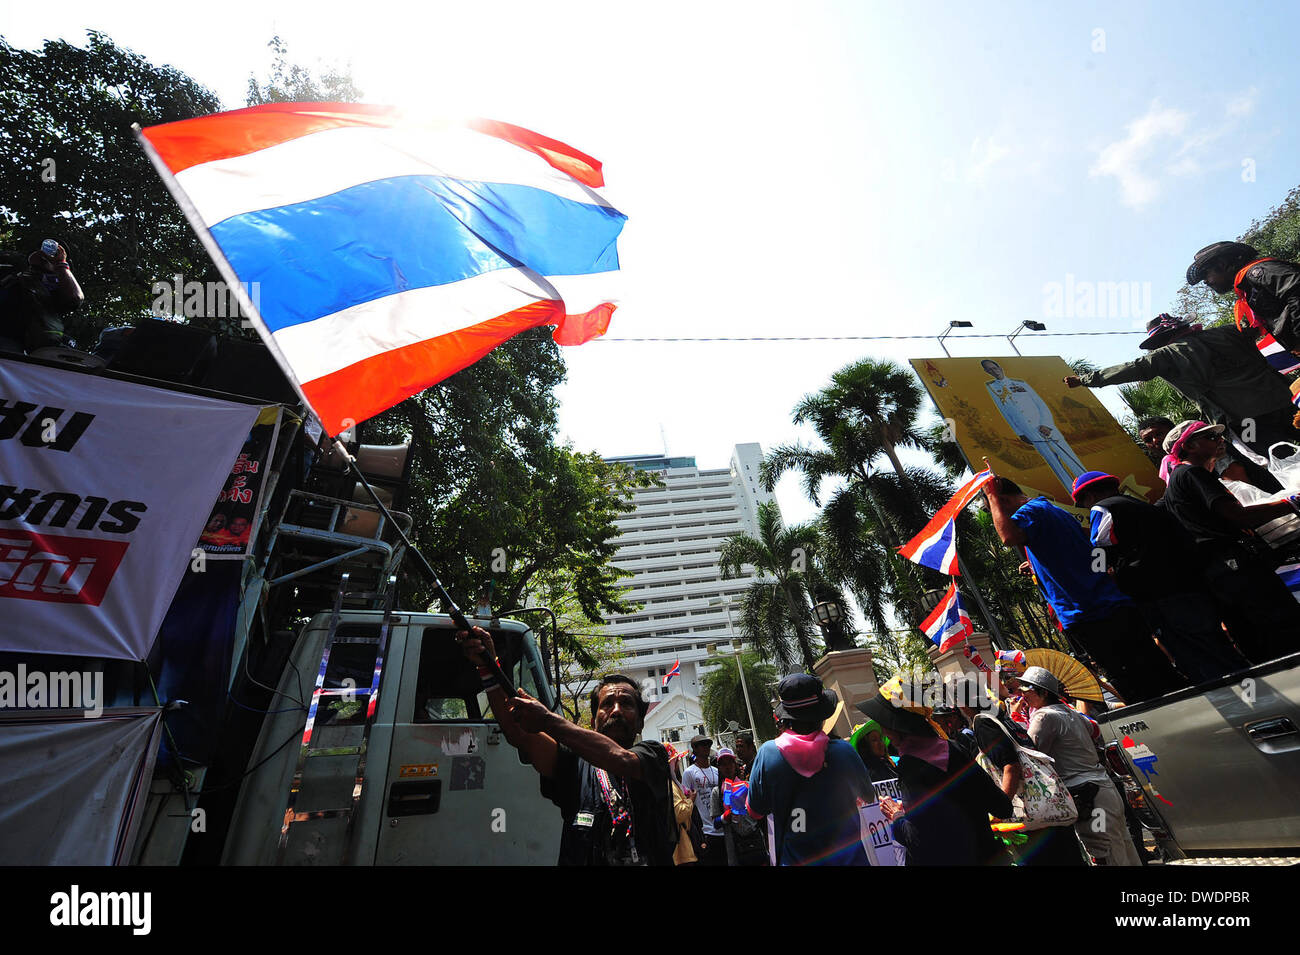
1063 734
947 798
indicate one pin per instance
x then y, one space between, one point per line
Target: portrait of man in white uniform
1031 420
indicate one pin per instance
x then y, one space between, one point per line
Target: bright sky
834 168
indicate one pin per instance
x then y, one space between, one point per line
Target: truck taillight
1115 759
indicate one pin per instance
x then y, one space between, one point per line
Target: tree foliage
289 82
71 169
722 699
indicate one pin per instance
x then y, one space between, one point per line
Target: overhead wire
859 338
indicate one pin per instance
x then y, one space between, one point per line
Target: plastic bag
1279 532
1286 468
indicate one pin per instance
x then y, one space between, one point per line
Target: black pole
422 565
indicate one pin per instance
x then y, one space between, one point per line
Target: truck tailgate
1221 762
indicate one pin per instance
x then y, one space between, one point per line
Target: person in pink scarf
809 785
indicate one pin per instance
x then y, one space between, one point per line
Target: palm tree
721 699
774 613
869 411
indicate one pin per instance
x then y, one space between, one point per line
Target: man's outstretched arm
596 748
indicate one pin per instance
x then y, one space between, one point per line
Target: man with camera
36 291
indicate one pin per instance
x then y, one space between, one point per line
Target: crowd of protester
1153 597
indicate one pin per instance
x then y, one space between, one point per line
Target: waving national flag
1282 360
675 671
377 252
948 622
936 546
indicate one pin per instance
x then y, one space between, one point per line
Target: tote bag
1043 800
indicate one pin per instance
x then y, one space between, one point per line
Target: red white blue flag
948 623
675 671
377 252
936 546
1283 361
735 796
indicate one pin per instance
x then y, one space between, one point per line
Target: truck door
456 792
1221 763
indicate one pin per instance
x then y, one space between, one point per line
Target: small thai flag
936 546
675 671
948 623
1278 357
735 796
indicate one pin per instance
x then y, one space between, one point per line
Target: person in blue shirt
1099 620
808 784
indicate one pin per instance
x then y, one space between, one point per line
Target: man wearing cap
1152 559
1262 616
1268 289
1062 733
697 782
1098 618
1222 372
809 785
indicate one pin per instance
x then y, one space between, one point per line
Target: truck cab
430 781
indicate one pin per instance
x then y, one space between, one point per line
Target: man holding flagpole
1099 620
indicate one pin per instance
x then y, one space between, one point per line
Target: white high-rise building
671 544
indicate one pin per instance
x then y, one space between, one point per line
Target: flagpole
457 616
995 635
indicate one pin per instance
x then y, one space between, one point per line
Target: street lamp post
735 648
948 331
1031 326
828 614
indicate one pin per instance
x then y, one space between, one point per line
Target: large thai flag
936 546
386 252
1283 361
948 622
675 671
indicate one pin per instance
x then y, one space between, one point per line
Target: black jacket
1272 291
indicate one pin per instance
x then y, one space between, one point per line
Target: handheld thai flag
735 796
675 671
936 546
948 622
1281 360
377 253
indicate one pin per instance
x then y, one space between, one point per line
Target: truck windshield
447 686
